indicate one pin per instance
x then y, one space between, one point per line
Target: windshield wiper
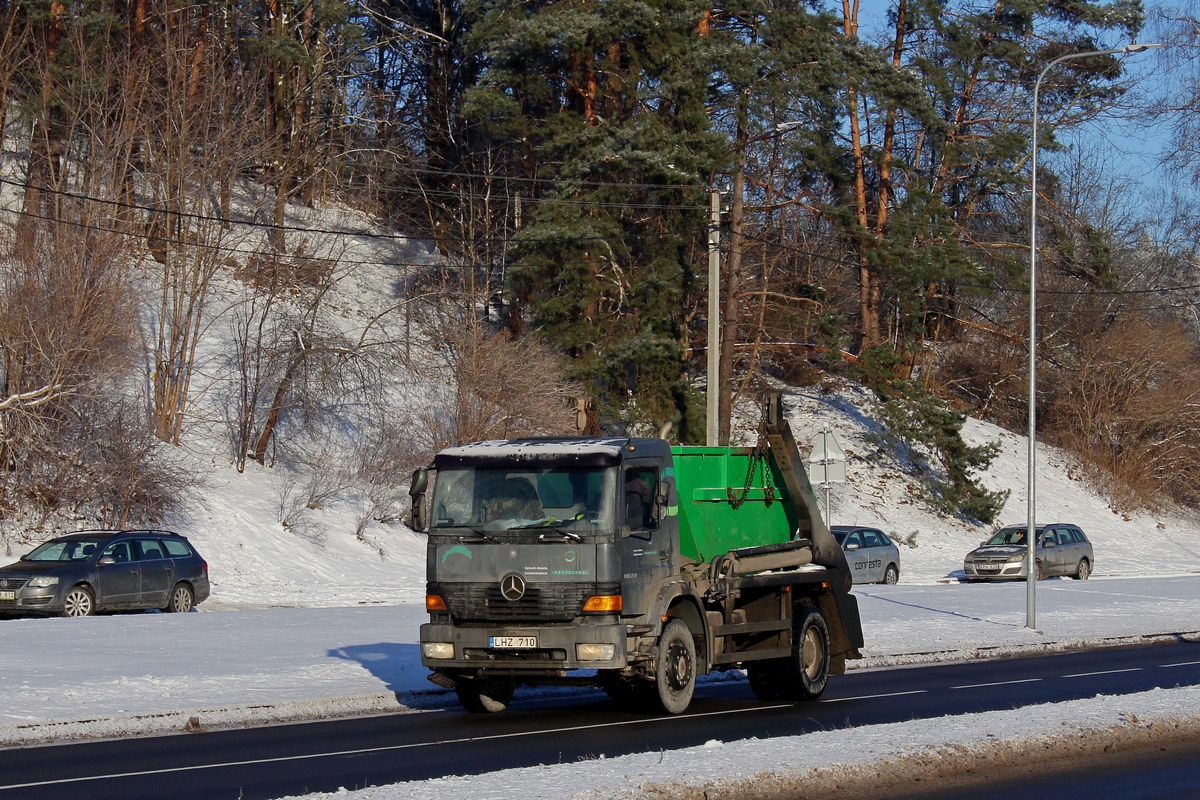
480 536
566 535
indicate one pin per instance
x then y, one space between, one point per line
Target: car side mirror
1049 544
850 547
106 560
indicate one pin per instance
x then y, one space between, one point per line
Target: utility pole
714 316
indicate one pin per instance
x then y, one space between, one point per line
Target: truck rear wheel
803 675
675 667
484 696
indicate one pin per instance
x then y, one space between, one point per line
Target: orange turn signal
435 602
603 604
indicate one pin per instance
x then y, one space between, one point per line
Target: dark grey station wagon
81 573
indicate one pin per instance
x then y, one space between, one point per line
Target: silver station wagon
1061 549
873 557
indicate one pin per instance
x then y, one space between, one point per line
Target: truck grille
547 602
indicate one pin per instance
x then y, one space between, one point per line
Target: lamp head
1138 48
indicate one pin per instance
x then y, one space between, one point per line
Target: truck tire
675 667
483 696
803 675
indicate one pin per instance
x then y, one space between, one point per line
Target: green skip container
730 498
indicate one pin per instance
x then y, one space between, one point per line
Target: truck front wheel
803 675
675 667
484 696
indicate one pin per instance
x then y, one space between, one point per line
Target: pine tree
607 99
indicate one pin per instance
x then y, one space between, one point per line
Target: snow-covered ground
325 623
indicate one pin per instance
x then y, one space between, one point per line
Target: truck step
752 627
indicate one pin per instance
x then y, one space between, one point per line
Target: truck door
646 544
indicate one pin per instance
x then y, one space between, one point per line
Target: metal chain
758 460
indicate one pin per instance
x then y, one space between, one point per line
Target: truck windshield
576 499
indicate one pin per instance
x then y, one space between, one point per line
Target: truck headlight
595 652
43 581
437 649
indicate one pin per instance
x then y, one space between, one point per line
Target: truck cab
534 548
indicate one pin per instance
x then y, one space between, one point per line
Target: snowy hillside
256 562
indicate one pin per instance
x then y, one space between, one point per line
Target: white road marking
872 696
997 683
1103 672
389 748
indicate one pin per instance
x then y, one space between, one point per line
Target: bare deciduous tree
1131 411
491 387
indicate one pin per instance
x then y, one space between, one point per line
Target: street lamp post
1031 521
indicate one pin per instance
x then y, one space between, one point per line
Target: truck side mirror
416 490
661 498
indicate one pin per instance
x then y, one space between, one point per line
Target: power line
515 239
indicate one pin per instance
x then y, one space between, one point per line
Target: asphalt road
298 759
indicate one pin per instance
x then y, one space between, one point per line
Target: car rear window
176 548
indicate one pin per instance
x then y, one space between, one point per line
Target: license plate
8 595
512 642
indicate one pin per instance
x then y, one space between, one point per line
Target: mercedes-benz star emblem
512 586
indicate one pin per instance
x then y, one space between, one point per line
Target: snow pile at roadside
755 767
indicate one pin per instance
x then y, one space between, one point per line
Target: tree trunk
868 287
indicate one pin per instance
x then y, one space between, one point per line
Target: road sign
827 462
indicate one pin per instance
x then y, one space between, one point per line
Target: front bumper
994 571
556 648
31 600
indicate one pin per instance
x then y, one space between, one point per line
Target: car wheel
892 575
675 667
484 696
182 599
1083 570
1040 571
79 602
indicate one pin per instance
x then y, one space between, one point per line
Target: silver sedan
1062 549
873 557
